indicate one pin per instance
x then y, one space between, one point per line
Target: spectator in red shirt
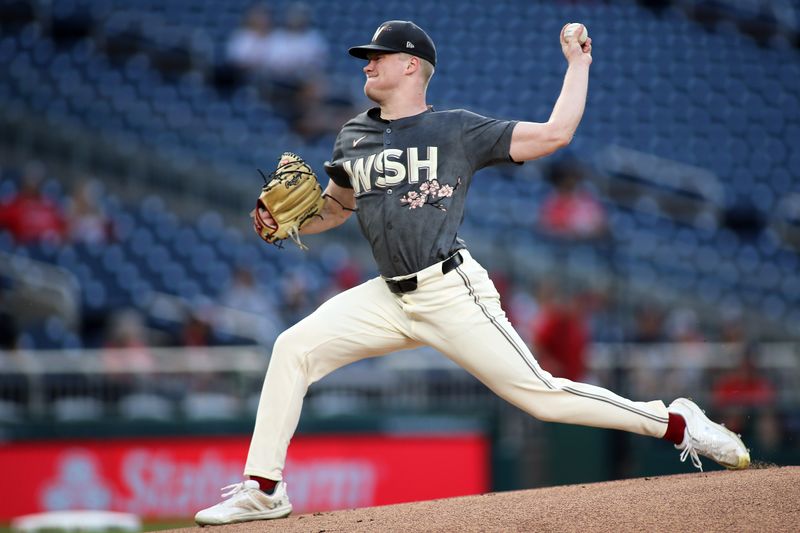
196 331
29 215
571 211
560 334
347 275
744 387
746 402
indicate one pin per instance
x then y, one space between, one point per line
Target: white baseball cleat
245 502
707 438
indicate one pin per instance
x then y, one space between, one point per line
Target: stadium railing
225 382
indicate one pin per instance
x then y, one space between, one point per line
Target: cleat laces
689 451
230 490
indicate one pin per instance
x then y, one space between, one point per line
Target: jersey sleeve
487 141
334 168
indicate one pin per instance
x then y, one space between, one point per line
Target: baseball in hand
573 27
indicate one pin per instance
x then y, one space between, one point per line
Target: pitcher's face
384 72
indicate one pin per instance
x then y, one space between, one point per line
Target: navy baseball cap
398 36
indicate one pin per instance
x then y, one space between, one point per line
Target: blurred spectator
560 333
690 355
196 331
297 52
502 283
295 78
571 211
248 46
288 64
196 334
347 275
244 294
126 357
732 329
29 215
86 218
127 343
297 298
744 387
520 305
522 309
607 320
745 400
683 326
649 325
318 112
769 430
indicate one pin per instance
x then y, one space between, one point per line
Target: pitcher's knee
539 411
290 346
544 415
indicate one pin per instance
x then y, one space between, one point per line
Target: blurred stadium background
657 256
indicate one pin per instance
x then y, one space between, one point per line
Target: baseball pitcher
405 169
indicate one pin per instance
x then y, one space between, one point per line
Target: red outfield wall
174 477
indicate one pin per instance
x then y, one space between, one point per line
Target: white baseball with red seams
572 28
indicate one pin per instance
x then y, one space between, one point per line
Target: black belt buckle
400 286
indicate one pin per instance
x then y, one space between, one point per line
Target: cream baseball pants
459 315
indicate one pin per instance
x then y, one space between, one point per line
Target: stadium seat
146 406
208 406
77 409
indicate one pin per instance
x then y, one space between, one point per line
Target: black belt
399 286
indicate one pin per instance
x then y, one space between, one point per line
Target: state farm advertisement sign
175 477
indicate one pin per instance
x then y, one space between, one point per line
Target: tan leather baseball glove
291 197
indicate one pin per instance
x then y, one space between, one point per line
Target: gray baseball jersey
410 178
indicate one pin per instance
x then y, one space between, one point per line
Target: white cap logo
409 44
378 32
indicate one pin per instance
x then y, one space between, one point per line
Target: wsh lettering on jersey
391 167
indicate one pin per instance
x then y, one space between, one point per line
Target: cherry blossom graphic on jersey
430 193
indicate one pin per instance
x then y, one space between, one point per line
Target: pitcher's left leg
472 330
467 323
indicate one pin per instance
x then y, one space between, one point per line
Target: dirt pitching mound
766 499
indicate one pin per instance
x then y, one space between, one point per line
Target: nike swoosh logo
355 142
